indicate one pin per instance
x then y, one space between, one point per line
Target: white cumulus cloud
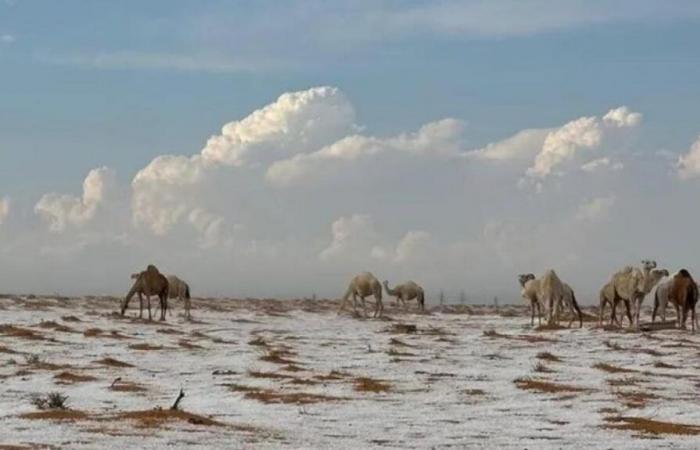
689 164
62 210
596 209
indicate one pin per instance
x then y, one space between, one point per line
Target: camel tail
578 310
421 299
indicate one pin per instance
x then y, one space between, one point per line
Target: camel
630 285
364 285
661 300
149 282
684 294
531 290
551 294
181 290
407 291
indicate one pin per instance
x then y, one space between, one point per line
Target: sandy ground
295 374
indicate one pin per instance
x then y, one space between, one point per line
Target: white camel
364 285
407 291
532 291
179 289
631 285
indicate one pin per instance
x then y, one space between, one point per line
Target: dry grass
19 332
650 426
268 396
663 365
154 418
550 327
145 347
635 399
609 368
126 386
333 375
548 357
111 362
548 387
366 384
72 378
613 345
540 367
184 343
625 381
51 325
400 343
278 356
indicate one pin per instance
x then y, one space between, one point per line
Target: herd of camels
629 285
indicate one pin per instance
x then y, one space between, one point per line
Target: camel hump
684 273
152 269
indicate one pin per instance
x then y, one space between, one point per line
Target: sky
275 149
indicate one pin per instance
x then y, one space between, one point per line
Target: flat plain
296 374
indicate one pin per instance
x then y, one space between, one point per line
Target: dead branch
177 400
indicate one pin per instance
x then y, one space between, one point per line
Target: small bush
53 400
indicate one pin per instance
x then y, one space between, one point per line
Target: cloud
297 121
7 39
352 235
688 165
598 164
596 210
62 211
523 145
585 133
440 139
4 209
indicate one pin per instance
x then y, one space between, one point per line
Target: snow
435 379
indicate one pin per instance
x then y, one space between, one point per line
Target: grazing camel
531 287
180 290
149 282
684 294
551 295
631 285
364 285
407 291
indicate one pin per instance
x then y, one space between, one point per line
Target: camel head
135 276
525 277
648 264
653 279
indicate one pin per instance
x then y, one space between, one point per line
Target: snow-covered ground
295 374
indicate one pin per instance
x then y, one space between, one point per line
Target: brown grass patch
548 387
522 337
550 327
625 381
51 325
292 368
298 398
650 426
269 375
92 332
609 368
19 332
540 367
169 331
157 417
474 392
258 341
333 375
113 362
184 343
400 343
548 357
635 399
663 365
145 347
366 384
58 415
127 386
7 350
70 319
71 378
277 356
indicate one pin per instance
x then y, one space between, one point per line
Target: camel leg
539 314
629 313
163 306
148 300
140 306
532 314
601 311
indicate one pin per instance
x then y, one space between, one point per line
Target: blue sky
115 84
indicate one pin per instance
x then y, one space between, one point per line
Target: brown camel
149 282
684 294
